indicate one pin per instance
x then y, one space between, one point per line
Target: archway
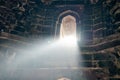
68 27
75 18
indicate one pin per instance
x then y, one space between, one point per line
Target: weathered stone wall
25 18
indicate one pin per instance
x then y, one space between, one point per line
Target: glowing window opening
68 29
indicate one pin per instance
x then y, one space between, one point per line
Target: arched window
68 27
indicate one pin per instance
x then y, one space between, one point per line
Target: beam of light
68 41
59 54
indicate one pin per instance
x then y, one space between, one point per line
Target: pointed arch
63 14
68 26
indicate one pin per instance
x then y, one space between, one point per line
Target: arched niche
68 26
63 15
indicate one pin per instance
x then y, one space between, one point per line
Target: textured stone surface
22 21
